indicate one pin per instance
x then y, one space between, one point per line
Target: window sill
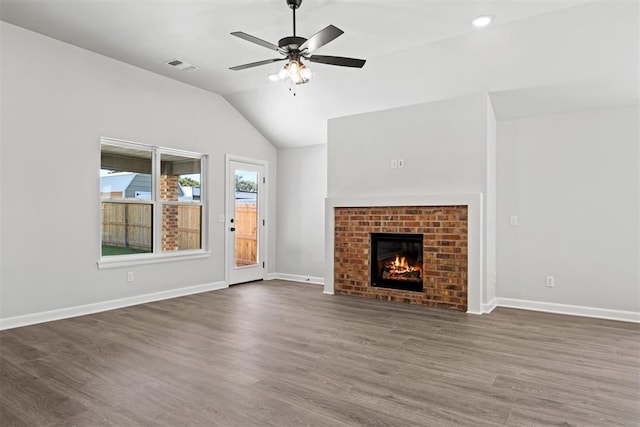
133 260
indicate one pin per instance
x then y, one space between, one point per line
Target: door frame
265 206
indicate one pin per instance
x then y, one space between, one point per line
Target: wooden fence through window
128 225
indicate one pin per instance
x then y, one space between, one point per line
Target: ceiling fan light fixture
294 71
283 73
482 21
305 73
293 67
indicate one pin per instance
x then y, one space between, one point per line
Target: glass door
245 221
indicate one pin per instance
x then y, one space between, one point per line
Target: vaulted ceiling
537 57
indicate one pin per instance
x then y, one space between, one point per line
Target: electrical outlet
550 281
130 276
513 220
400 163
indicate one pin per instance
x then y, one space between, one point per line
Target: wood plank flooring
281 354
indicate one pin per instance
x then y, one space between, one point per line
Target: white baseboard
297 278
490 306
81 310
573 310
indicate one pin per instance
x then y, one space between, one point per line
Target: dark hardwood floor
279 354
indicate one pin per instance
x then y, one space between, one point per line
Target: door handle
232 229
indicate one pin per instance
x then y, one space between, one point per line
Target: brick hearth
445 252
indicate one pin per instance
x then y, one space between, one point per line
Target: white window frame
158 255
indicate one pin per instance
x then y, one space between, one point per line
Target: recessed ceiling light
482 21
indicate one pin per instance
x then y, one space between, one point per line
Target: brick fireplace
450 280
444 261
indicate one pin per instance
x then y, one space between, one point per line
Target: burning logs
399 269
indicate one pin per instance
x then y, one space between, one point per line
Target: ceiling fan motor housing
294 4
292 43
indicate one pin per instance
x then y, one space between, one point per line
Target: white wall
572 180
301 193
442 143
490 208
57 101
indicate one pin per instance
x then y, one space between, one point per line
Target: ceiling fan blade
321 38
253 39
256 64
338 60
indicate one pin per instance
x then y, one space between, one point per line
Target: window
152 201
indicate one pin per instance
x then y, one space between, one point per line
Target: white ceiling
538 57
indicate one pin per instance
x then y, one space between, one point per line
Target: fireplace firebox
396 261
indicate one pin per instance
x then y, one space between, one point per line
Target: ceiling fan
294 48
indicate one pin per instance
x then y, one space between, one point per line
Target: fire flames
399 269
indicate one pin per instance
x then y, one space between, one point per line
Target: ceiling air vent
181 65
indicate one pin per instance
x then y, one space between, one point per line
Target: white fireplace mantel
475 249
